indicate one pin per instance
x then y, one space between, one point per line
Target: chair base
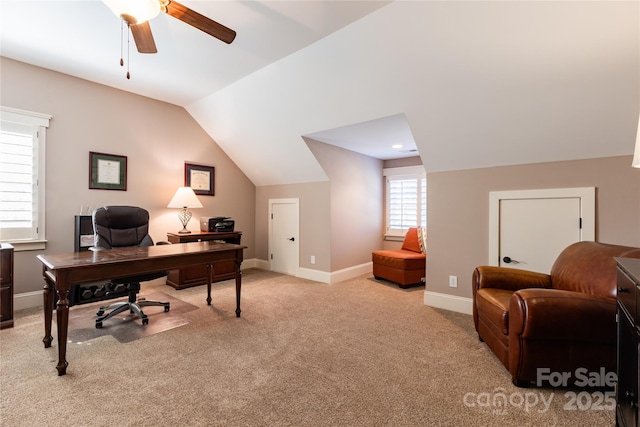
133 307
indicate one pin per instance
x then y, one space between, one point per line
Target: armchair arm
561 331
552 314
511 279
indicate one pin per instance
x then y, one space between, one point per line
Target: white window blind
406 199
22 142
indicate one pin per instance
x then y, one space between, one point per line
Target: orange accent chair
405 266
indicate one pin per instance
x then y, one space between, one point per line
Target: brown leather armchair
558 322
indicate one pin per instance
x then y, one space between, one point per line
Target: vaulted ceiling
472 84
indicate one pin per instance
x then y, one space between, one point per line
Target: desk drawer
196 275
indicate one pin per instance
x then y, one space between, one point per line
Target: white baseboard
262 264
431 299
315 275
250 263
351 272
448 302
323 276
27 300
335 276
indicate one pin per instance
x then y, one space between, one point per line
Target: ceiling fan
137 13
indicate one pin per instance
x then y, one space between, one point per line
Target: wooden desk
63 270
197 275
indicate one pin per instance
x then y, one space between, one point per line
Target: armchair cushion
402 259
497 285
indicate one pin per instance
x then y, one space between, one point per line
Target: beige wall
458 210
157 139
356 203
340 220
315 238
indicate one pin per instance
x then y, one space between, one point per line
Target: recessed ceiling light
396 146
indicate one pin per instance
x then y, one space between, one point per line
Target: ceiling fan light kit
137 13
134 11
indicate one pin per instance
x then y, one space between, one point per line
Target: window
406 199
22 162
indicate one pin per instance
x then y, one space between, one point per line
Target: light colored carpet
355 353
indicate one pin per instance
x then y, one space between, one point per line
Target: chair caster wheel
145 321
100 313
166 308
98 325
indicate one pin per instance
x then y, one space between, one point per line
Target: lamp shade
134 11
184 198
636 155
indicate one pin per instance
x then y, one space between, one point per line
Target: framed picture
107 171
200 178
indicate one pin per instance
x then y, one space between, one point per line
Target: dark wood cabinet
83 233
628 342
6 285
197 275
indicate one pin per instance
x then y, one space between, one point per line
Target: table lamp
184 198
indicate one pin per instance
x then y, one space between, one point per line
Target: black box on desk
216 223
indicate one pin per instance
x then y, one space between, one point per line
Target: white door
533 232
534 226
284 243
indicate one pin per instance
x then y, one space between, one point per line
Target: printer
216 223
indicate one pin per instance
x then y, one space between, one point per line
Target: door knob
293 239
508 260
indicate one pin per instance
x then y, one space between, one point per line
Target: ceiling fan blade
143 37
200 22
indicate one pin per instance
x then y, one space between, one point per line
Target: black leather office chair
117 227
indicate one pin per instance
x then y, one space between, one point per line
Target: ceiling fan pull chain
128 50
121 42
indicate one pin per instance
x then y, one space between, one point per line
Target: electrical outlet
313 259
453 281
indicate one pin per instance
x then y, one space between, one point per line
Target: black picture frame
107 171
200 178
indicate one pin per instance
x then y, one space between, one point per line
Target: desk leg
48 311
238 287
62 317
209 275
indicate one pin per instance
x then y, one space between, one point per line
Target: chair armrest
552 314
511 279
